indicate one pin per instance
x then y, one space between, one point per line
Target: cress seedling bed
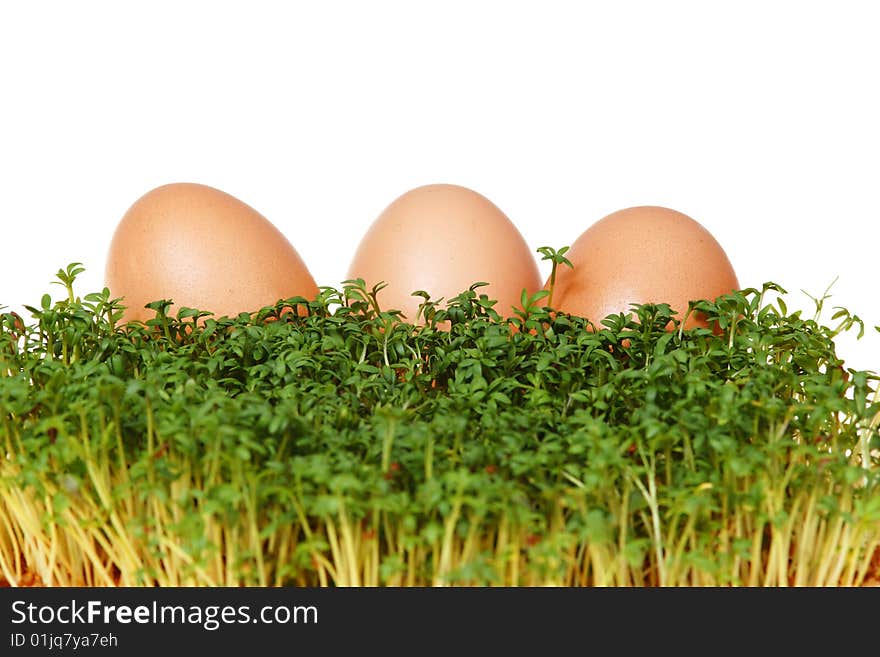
328 442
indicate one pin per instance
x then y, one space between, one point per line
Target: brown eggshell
644 254
203 249
442 239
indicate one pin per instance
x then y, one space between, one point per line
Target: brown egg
442 239
644 254
201 248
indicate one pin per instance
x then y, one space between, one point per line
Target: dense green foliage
328 441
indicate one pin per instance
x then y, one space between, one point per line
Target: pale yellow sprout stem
445 564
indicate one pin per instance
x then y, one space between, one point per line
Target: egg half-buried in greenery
204 249
645 254
442 239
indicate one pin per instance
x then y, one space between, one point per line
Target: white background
758 119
